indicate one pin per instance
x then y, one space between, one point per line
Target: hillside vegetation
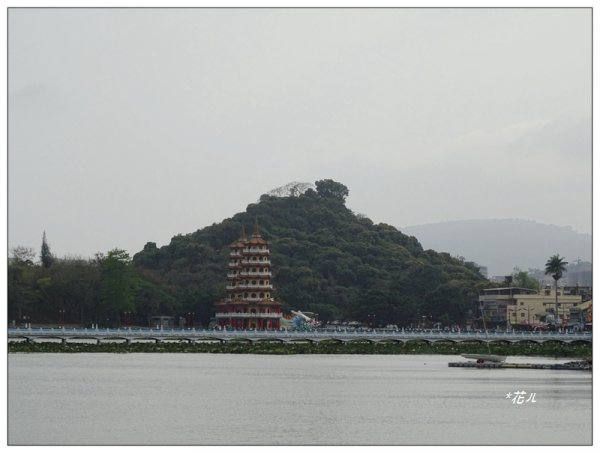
325 259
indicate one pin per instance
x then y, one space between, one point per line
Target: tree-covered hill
325 259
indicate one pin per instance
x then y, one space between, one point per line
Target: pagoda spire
256 232
243 233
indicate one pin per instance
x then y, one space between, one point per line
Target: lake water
227 399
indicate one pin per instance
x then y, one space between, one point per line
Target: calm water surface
226 399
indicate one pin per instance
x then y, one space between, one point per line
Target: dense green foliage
325 258
522 279
85 291
117 283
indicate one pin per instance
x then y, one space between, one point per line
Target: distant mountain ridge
502 244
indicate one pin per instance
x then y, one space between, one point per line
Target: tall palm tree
555 266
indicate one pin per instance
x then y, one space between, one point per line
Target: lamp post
371 321
127 318
190 319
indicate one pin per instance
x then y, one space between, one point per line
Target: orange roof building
249 302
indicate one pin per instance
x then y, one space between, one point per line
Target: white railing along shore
322 333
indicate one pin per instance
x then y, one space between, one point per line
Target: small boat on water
483 358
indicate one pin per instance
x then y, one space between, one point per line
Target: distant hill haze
503 244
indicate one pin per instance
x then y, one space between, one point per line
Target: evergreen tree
45 254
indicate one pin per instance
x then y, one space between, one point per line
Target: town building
581 315
518 306
249 301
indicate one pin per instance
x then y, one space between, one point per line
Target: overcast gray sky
134 125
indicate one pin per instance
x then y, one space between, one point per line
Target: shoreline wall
548 349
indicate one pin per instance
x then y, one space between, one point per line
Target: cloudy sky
134 125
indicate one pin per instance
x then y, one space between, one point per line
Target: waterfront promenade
129 335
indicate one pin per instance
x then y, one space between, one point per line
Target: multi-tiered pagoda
248 303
